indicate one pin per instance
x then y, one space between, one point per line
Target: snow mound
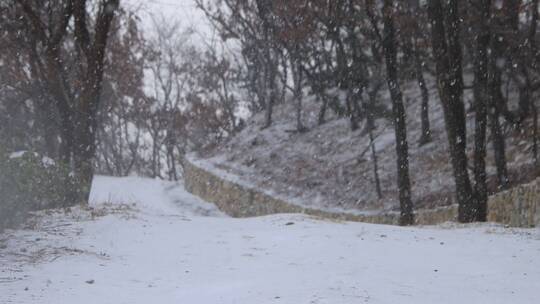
151 195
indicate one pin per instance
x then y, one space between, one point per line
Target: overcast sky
182 10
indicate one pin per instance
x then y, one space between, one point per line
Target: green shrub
30 182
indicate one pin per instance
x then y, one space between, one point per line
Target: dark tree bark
499 147
535 134
322 111
480 14
370 124
497 107
413 9
297 71
447 55
271 94
350 111
510 10
533 52
264 8
375 162
425 136
400 127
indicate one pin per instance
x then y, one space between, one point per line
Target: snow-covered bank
173 248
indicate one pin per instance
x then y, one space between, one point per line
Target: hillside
330 167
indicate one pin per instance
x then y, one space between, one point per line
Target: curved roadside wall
517 207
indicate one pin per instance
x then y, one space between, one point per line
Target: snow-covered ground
148 241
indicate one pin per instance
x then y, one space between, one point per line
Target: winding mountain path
148 241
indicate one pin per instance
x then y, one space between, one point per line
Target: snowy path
172 248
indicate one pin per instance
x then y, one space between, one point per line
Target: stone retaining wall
516 207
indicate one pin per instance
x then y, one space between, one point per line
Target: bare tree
480 19
399 117
445 29
77 91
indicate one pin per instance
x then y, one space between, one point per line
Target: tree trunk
425 137
85 138
322 110
172 163
497 106
48 123
271 93
499 148
77 105
535 134
400 127
510 11
270 68
413 13
533 49
67 145
447 55
480 15
297 75
370 126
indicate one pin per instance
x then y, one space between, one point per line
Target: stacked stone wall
517 207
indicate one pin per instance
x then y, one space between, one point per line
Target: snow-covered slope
331 166
148 241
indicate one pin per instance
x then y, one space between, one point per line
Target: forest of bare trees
83 84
